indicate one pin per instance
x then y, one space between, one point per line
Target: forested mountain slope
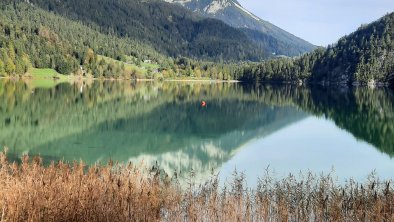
169 29
363 57
272 38
33 37
30 36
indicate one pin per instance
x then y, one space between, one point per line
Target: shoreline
201 80
83 78
73 78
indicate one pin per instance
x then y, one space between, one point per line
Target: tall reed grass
30 191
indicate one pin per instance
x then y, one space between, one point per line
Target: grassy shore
46 74
48 78
45 78
30 191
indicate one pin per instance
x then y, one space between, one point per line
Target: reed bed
31 191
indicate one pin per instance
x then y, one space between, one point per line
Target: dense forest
33 37
363 57
169 29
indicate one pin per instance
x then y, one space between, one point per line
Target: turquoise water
248 128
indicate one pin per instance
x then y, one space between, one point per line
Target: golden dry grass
30 191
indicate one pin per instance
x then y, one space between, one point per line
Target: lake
286 129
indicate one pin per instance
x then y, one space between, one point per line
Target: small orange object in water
203 104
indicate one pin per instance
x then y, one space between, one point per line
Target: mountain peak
182 2
217 5
232 13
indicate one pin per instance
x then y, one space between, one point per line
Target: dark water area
248 128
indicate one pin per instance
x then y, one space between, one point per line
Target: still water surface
287 128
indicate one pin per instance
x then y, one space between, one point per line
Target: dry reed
30 191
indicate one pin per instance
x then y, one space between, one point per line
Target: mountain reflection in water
165 123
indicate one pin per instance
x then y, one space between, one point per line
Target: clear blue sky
320 22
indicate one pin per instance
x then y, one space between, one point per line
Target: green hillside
363 57
38 38
31 37
169 29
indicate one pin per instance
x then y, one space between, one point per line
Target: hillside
169 29
272 38
364 57
31 37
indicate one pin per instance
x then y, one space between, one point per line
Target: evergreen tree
2 68
20 67
10 67
11 51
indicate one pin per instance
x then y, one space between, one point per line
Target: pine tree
10 67
19 66
27 63
2 68
11 52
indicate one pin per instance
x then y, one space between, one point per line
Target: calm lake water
248 128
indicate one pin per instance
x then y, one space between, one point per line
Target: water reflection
165 122
327 150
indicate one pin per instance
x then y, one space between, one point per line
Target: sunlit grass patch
44 73
45 78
